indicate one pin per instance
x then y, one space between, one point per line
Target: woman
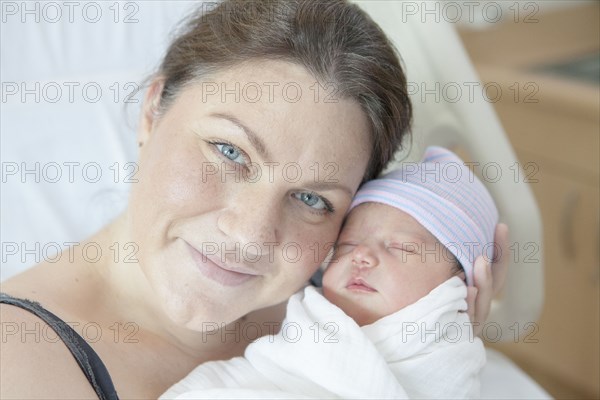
259 126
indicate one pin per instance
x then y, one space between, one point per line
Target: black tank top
89 362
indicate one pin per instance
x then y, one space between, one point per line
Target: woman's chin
191 304
194 311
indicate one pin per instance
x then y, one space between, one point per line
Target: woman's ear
149 112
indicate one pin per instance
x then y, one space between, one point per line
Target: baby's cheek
328 284
333 274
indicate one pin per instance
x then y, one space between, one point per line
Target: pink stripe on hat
444 196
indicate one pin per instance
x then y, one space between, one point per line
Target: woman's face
243 185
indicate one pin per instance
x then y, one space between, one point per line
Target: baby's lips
360 283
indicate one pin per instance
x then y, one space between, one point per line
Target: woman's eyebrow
324 186
253 138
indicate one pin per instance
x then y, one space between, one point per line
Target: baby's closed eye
343 247
410 248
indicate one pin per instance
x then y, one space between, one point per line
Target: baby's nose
364 256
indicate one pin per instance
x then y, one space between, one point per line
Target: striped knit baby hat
444 196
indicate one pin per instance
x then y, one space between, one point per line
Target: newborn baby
389 321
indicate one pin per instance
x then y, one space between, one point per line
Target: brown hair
333 39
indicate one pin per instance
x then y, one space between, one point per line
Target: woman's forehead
283 115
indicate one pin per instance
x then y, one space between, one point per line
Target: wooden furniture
553 124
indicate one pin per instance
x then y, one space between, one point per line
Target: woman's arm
489 280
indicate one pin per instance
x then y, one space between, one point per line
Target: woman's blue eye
231 152
311 199
315 201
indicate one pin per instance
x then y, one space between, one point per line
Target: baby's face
384 261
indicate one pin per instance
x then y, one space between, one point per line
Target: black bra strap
91 365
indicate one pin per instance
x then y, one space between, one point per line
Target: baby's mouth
359 285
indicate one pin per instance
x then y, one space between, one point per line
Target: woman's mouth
359 285
218 272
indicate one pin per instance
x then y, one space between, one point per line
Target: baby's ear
150 107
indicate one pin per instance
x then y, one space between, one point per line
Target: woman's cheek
313 245
180 182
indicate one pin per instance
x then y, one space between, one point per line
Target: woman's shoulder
35 363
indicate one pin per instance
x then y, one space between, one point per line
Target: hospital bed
69 111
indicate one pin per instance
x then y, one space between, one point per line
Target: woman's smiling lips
220 272
359 285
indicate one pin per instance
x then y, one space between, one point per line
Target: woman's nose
364 256
251 223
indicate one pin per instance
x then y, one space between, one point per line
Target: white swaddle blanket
426 350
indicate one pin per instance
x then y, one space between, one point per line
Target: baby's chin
349 306
361 317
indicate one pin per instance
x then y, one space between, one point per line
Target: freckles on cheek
180 188
315 243
180 182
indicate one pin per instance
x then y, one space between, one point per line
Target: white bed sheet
57 54
503 379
